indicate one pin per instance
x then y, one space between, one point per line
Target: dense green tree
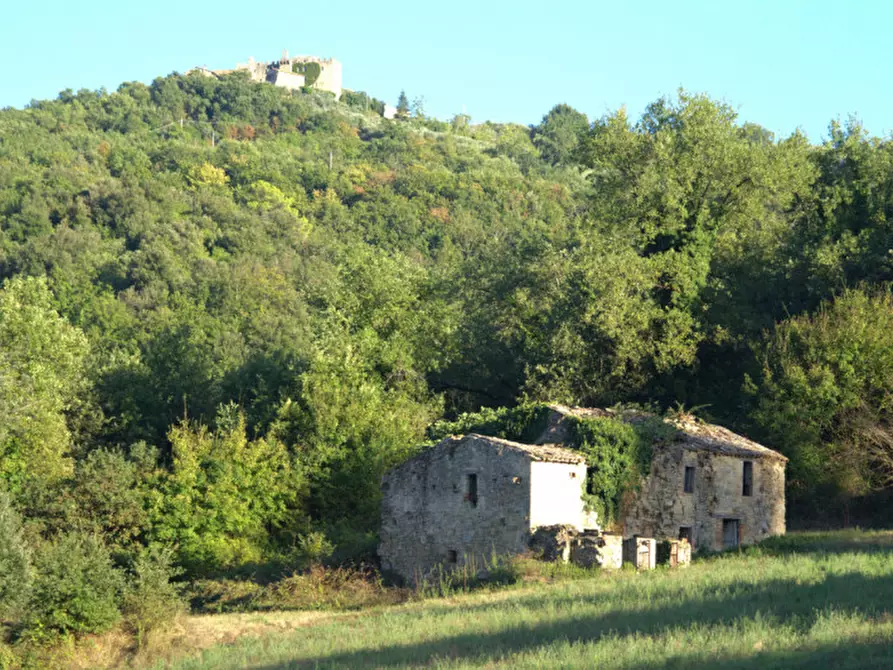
402 104
826 394
559 134
339 281
226 497
15 559
42 380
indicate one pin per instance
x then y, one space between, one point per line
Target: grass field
817 600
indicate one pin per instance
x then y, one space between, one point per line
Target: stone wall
426 513
661 508
290 80
330 76
429 516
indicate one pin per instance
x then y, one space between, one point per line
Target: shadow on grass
818 543
846 655
786 602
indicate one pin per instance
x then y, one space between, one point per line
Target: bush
315 548
76 588
524 423
15 564
109 490
7 657
152 601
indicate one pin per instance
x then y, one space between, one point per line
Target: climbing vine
311 72
618 457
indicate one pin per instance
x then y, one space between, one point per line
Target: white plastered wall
556 494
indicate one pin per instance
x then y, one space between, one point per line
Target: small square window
452 556
688 484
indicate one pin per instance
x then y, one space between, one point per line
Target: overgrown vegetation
618 458
522 423
227 309
311 72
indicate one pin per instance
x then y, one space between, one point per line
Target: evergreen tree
403 105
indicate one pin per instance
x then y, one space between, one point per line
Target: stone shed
469 497
709 485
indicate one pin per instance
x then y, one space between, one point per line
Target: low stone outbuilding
469 497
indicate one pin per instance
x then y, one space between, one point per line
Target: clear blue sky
784 64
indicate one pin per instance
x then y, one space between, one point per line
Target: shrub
523 423
76 588
225 496
109 490
152 600
314 547
7 657
15 564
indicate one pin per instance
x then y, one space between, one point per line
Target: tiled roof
693 434
547 453
708 437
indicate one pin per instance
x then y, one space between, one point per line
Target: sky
785 64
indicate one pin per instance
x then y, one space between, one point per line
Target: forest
227 309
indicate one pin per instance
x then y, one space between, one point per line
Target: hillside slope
232 307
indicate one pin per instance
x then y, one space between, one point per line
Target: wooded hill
228 308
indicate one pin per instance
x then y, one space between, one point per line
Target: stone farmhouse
471 496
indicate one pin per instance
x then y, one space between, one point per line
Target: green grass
807 600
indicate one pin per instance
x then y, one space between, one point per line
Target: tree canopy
228 308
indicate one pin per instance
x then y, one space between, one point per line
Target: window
747 479
471 489
452 556
688 484
686 534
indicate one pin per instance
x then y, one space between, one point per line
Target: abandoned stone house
469 497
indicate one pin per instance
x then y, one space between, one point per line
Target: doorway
730 533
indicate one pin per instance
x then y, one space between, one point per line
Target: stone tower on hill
293 72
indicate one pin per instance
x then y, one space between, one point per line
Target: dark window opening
471 489
452 556
731 533
747 481
686 534
688 484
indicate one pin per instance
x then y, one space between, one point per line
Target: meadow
805 600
